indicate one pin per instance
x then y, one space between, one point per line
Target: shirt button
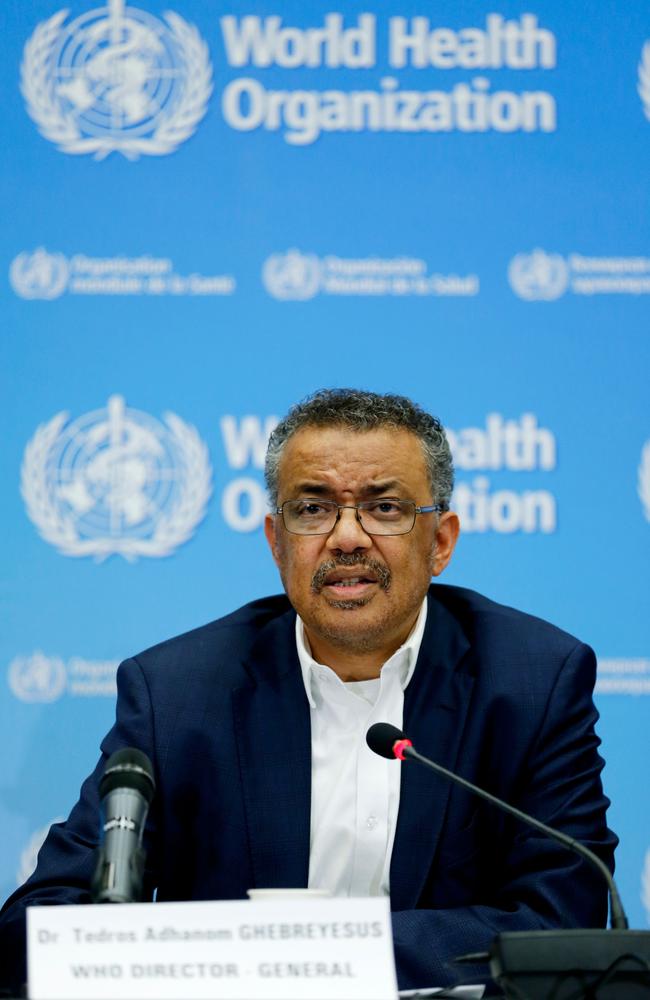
371 822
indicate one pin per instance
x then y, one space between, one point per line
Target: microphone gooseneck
389 741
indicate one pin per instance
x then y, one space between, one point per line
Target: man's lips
351 586
350 575
340 579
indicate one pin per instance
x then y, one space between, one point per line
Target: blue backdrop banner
210 211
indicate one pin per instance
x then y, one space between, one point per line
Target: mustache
348 559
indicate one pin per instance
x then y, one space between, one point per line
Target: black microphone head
381 737
128 768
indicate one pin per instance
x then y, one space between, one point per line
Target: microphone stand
561 964
582 964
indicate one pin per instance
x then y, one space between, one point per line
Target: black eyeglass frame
436 508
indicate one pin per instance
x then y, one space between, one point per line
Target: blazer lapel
435 709
273 735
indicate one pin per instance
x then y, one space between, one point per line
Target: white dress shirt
354 793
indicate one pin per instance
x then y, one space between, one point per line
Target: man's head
361 411
358 578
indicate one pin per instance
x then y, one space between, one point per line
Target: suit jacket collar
273 734
435 710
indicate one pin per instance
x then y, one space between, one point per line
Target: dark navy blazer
499 696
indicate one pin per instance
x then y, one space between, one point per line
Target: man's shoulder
230 637
486 621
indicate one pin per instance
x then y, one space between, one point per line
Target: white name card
310 949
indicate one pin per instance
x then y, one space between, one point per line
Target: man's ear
446 537
271 536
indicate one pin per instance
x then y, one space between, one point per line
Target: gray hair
364 411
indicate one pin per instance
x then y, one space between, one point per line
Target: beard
351 636
348 559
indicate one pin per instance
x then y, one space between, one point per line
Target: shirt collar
403 659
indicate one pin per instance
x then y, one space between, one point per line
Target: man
256 723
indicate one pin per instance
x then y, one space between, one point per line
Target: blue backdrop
210 212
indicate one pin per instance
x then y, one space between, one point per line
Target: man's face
355 592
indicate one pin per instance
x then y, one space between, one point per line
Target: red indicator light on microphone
399 746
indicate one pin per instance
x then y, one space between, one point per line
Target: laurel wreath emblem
292 275
171 529
37 677
645 885
644 479
644 79
538 275
61 127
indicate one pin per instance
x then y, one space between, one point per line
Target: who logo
37 678
645 885
116 482
643 481
39 275
116 79
643 85
538 276
292 275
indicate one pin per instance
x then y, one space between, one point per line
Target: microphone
389 741
536 963
126 790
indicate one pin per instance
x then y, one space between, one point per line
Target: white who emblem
644 79
645 885
37 678
538 276
644 479
116 79
39 275
116 482
292 275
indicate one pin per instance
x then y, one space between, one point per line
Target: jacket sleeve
531 882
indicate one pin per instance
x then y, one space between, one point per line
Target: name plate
309 949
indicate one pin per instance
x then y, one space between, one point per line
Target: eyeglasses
376 517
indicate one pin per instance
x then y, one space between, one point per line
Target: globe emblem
37 678
538 275
645 885
292 275
116 79
644 479
39 275
116 481
644 79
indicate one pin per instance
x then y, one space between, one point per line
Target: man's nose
348 534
